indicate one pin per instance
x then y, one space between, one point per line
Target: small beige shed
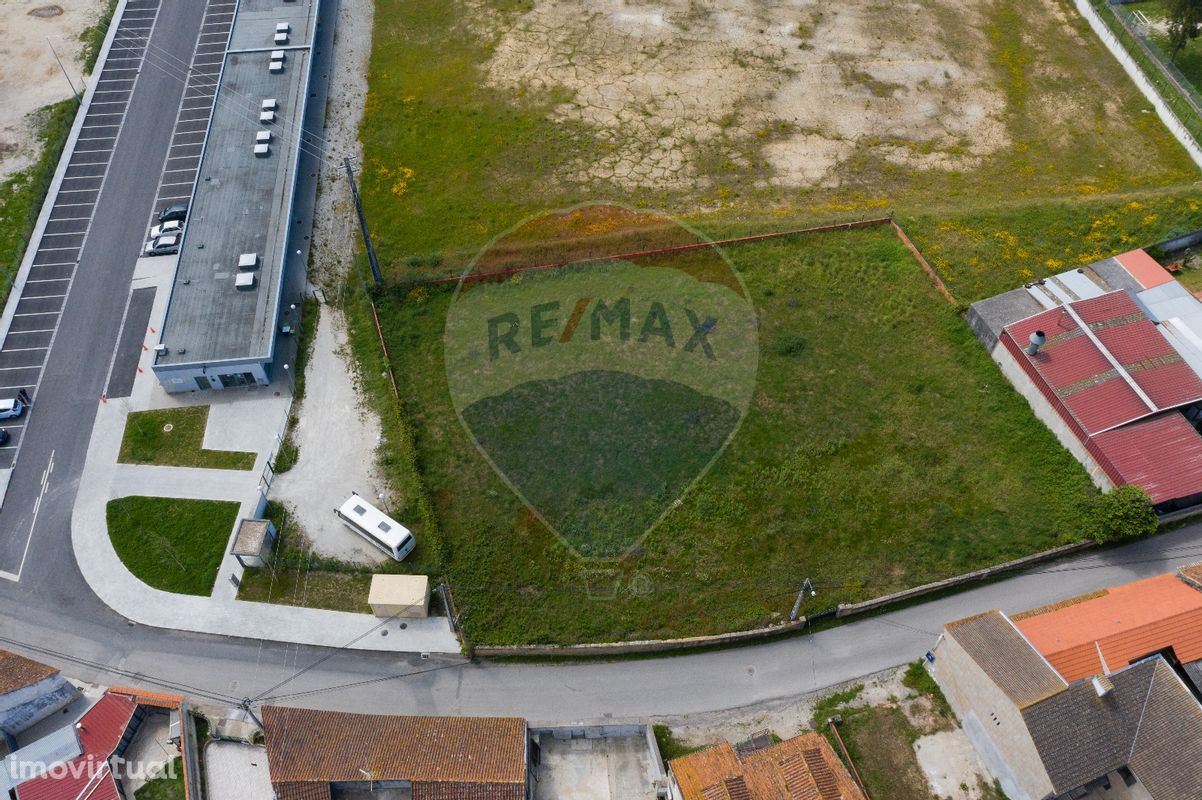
399 596
252 545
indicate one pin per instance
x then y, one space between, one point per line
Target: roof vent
161 348
262 149
1037 341
281 37
245 280
269 104
276 65
1102 685
263 136
282 27
266 116
248 261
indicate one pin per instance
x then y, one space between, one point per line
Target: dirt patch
29 76
792 90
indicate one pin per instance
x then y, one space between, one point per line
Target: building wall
1048 416
31 704
993 723
183 378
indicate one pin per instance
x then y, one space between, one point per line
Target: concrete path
337 437
238 422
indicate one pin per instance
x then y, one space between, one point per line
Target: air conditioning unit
262 150
275 66
277 55
266 117
282 27
269 104
263 136
281 38
248 261
245 280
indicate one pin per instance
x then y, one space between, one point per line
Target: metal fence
1137 33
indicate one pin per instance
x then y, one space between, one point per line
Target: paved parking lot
192 119
35 322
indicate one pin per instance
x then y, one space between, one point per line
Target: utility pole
371 250
74 93
805 587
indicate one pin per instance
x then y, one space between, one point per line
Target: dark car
3 437
174 211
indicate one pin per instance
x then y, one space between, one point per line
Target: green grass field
164 788
883 448
147 440
877 455
172 544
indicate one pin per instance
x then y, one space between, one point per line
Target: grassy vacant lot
480 113
878 454
147 440
172 544
886 450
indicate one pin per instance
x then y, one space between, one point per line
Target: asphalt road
52 615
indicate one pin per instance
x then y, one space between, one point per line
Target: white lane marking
37 507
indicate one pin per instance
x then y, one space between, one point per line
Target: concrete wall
33 703
182 378
993 723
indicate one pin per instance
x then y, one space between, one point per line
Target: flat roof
242 201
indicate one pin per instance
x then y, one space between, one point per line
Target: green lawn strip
298 578
22 194
876 456
288 453
146 441
669 746
91 38
170 543
164 787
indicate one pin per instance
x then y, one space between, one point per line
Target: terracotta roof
303 790
1123 625
145 698
1145 269
100 731
324 746
468 791
802 768
17 672
1006 657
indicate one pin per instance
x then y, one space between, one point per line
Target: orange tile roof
802 768
307 745
1145 269
145 698
1125 624
17 672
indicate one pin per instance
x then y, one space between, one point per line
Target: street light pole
805 587
75 94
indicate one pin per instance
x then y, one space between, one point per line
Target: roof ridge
1144 710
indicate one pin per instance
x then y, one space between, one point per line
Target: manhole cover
168 428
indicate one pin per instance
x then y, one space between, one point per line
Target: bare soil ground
29 76
800 85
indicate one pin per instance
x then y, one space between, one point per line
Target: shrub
1125 513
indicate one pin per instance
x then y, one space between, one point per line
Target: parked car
3 437
177 211
163 245
164 228
11 408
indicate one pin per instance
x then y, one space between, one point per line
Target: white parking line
30 366
23 350
48 280
37 506
18 333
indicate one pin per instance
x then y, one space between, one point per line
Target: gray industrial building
224 308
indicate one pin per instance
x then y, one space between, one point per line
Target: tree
1124 513
1185 23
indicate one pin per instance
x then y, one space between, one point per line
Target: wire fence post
371 250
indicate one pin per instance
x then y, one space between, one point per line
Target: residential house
1091 697
29 692
802 767
320 755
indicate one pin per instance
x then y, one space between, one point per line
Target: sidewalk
239 422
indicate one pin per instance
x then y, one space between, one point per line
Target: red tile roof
1143 268
87 777
17 672
1123 625
1076 370
1162 454
307 745
802 767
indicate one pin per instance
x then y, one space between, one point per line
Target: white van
381 530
